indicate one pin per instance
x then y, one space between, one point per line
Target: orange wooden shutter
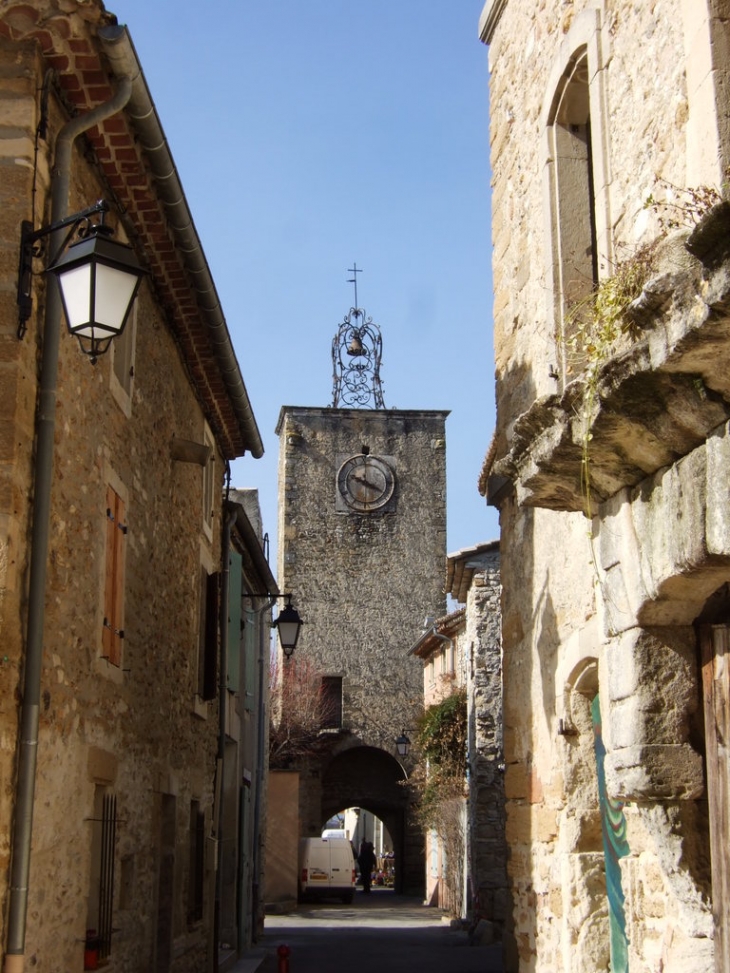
113 632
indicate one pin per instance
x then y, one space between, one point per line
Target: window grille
106 873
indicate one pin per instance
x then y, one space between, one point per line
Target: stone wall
605 609
137 730
282 840
363 582
483 656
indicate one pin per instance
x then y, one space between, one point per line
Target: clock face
365 483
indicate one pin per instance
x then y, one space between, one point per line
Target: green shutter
250 645
235 584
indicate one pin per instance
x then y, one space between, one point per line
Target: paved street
378 933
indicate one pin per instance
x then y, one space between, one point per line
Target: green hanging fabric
615 847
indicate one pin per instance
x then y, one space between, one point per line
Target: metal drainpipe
260 766
46 417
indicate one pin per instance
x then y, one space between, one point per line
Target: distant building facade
362 535
473 580
441 652
608 466
461 653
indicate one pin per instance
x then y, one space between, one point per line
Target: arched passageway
373 780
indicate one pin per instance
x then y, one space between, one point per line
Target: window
209 485
235 621
122 372
116 534
575 221
208 648
331 702
575 122
573 154
251 643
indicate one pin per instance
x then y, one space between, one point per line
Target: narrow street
378 933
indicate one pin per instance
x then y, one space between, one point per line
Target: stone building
248 587
110 642
462 652
609 466
473 580
442 654
364 570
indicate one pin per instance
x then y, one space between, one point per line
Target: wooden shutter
235 586
251 636
116 532
210 639
714 643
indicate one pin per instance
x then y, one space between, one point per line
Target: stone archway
585 910
372 779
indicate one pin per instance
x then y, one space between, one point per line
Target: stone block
654 773
102 766
519 825
652 687
718 509
623 585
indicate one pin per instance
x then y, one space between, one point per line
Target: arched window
573 191
578 243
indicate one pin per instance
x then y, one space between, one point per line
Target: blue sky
311 135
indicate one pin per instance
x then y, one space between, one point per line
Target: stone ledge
658 399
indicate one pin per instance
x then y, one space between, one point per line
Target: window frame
585 39
331 689
208 485
123 352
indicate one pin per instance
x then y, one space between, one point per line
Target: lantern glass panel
76 290
288 632
113 295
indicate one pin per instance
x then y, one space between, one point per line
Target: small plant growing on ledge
596 324
682 208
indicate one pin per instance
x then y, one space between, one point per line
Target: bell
355 348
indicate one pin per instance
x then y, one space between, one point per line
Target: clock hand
365 482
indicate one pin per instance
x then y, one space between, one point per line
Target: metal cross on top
356 355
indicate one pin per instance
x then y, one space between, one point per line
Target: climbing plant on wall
439 783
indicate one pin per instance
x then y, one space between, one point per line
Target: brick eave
69 45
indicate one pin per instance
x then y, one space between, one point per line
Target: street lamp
403 745
98 278
288 622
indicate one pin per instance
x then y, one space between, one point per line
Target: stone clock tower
362 548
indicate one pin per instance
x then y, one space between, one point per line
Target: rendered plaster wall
134 730
557 619
282 840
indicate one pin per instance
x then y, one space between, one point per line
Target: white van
326 869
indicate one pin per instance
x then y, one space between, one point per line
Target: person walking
366 862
